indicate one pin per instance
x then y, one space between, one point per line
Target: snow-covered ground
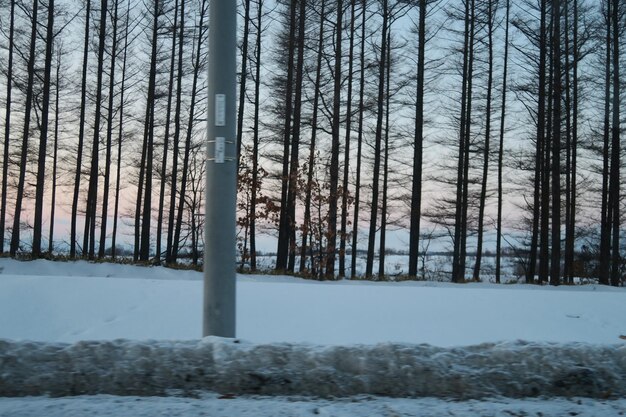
56 303
67 302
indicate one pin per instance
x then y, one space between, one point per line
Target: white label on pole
220 110
220 150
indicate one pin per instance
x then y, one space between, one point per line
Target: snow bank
121 367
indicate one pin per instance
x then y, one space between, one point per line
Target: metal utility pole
221 171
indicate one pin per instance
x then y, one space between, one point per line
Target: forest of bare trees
364 126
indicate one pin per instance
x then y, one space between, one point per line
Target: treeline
488 123
103 119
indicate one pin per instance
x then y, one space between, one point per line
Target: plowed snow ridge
121 367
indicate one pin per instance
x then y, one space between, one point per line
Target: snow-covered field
66 302
58 303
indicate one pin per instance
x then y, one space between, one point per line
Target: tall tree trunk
468 129
369 266
15 235
568 263
615 156
81 136
7 128
140 182
555 264
175 152
166 138
120 138
501 145
487 146
255 137
574 165
334 153
192 108
357 184
311 162
243 76
295 140
144 252
346 164
416 191
282 251
546 192
545 121
383 210
55 152
43 138
92 195
458 273
107 165
538 184
606 218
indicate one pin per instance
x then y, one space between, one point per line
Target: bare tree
359 152
377 147
120 138
92 194
81 135
15 236
109 134
192 108
7 127
501 144
334 153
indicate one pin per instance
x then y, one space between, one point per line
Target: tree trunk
175 152
144 252
570 209
192 107
501 146
331 236
383 210
468 129
92 195
615 156
460 218
311 162
295 140
538 183
346 165
107 165
282 251
81 136
574 164
544 119
555 264
43 138
55 156
7 129
15 235
357 185
166 139
486 150
255 138
369 266
120 138
416 191
606 218
243 76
